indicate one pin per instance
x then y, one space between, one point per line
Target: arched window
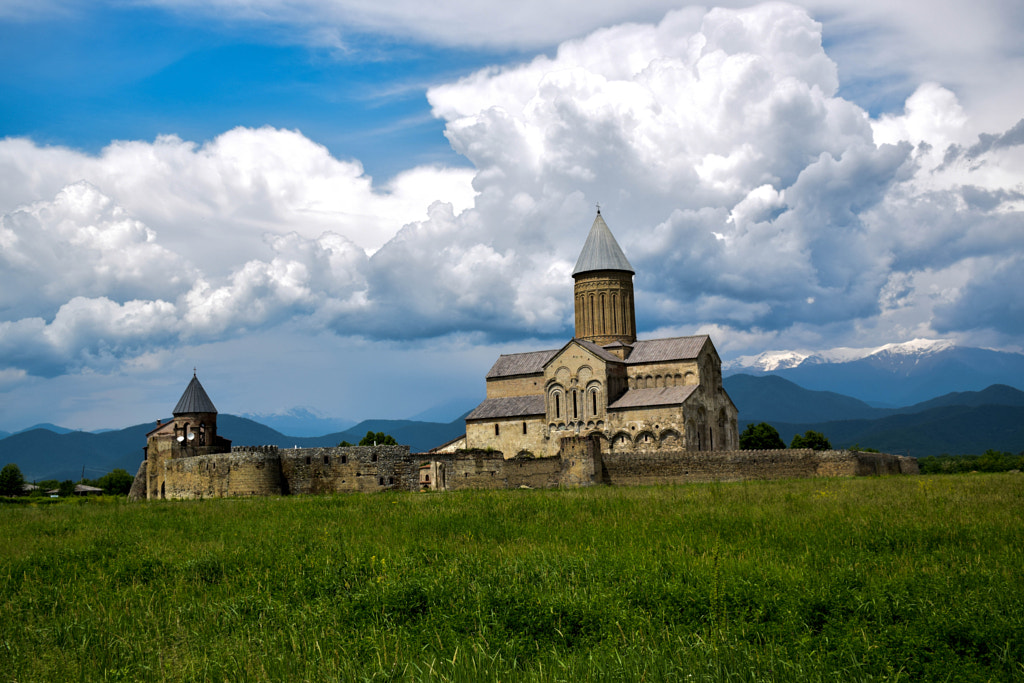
496 430
558 407
524 427
575 408
593 400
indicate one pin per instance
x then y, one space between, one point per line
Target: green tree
345 444
67 488
11 481
761 437
811 439
378 439
116 483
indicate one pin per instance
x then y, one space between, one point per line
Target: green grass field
902 578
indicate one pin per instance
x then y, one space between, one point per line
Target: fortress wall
253 473
350 469
581 461
267 470
672 467
490 470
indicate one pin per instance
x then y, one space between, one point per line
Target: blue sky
354 208
125 72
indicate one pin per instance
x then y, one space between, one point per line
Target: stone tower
195 418
192 432
604 291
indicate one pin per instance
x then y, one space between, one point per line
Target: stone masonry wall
253 473
490 470
350 469
267 470
675 467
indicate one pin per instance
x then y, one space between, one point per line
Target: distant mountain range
956 423
300 422
884 398
892 375
44 454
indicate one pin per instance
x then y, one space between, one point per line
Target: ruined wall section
490 470
677 467
350 469
581 461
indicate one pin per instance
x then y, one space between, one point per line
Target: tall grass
905 578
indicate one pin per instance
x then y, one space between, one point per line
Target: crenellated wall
268 470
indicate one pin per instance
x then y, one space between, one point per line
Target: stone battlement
269 470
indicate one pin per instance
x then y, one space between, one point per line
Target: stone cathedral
605 408
634 395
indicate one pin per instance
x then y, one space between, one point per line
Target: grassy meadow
900 578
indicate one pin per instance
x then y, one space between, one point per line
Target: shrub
11 480
116 483
760 437
377 439
811 439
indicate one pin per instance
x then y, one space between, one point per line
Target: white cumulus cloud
751 197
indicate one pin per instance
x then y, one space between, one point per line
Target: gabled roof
194 400
598 351
661 396
601 251
661 350
511 364
508 406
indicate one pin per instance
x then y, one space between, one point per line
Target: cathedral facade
632 395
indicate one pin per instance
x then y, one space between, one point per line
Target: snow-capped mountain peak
770 361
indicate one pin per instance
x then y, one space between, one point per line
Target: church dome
601 251
194 400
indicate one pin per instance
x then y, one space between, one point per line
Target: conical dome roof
601 251
194 400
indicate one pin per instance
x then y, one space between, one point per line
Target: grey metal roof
194 400
660 350
512 364
662 396
508 406
601 251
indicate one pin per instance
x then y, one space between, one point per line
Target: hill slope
954 430
44 454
